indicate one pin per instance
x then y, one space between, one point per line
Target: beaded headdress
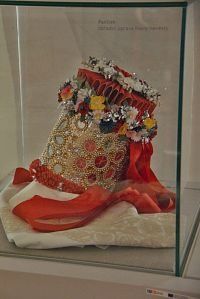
100 149
104 110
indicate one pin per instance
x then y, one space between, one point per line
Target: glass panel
190 188
10 117
47 45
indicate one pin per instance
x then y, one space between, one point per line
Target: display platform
161 260
115 256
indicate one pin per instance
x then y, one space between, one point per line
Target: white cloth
119 225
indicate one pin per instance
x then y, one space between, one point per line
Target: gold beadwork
81 153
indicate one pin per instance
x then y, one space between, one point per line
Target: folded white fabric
119 225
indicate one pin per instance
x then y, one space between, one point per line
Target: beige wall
194 170
52 45
9 101
60 44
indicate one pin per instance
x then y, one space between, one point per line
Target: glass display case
107 167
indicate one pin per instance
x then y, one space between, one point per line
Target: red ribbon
144 179
144 192
83 208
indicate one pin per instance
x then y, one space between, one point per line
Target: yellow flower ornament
66 93
149 123
123 129
97 102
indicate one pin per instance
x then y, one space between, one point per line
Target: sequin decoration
59 139
92 178
100 161
85 156
110 173
119 155
62 125
90 145
80 163
58 168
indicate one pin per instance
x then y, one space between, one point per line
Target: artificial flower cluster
129 82
78 98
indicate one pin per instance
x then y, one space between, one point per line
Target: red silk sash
84 208
140 172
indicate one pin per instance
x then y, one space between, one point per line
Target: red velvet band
52 180
115 92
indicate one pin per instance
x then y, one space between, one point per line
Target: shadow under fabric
96 152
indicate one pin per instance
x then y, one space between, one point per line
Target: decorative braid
115 92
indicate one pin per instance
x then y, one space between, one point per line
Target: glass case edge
95 4
88 263
190 242
179 141
178 266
